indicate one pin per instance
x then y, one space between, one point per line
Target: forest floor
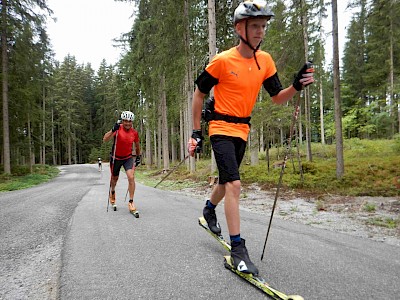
376 218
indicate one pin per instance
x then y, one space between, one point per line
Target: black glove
198 136
296 83
115 127
137 160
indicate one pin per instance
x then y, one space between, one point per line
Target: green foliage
77 106
20 170
23 179
384 222
371 168
369 207
103 152
356 148
309 168
396 144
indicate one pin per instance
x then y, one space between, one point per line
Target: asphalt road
58 241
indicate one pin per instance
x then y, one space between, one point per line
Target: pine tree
15 16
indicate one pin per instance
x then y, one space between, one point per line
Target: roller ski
135 213
244 267
218 237
132 209
259 282
112 202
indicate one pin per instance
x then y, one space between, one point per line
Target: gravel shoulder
375 218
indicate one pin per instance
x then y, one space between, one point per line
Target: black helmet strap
251 47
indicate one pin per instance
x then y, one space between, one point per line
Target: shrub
309 167
20 170
396 144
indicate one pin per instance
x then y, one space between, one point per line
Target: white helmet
127 115
252 9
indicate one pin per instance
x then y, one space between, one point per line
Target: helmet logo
127 115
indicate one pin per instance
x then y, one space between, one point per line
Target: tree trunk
156 160
307 110
30 145
75 149
149 152
321 90
53 146
43 156
159 142
391 81
173 146
189 85
164 125
336 92
255 140
253 143
212 50
182 133
4 61
321 112
69 142
300 126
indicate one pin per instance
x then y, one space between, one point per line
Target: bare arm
284 95
137 148
107 136
197 106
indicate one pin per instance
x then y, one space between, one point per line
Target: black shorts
229 152
116 164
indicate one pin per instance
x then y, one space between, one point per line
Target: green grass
384 222
22 179
371 168
369 207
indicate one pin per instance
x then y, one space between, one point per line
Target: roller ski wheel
114 207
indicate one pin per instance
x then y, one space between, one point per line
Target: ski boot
211 218
240 258
132 209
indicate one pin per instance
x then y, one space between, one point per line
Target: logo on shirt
233 73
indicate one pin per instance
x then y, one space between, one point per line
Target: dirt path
376 218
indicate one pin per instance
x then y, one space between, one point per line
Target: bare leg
131 187
231 206
217 194
114 180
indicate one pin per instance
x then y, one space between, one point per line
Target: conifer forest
56 112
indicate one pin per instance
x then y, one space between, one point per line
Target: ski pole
108 199
169 173
126 194
294 119
112 167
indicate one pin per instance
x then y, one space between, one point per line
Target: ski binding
259 283
254 280
135 213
